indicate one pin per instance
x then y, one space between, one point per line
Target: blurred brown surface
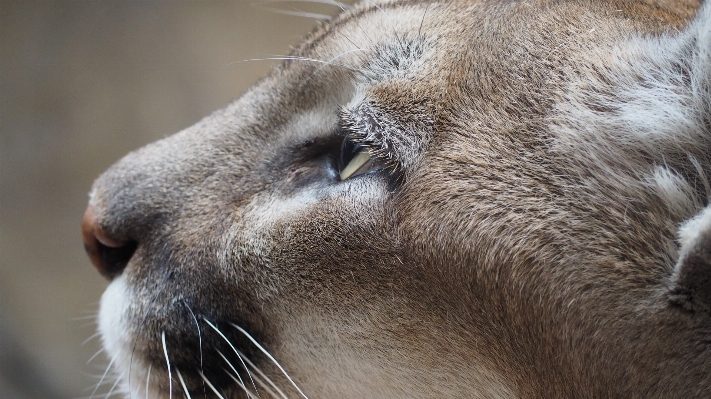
81 84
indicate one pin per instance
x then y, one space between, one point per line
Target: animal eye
355 160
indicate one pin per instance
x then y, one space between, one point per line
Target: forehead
475 55
425 46
369 43
372 33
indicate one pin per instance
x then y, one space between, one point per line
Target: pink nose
108 255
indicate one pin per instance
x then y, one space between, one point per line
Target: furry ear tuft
691 285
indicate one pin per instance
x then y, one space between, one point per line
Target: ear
691 283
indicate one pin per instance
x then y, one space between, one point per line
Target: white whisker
148 378
331 62
210 385
342 6
295 12
95 355
81 318
198 330
265 387
236 352
96 334
92 324
390 22
170 374
162 286
111 391
231 366
240 329
111 362
182 382
292 58
239 384
197 324
364 32
255 368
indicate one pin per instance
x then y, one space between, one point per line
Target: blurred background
81 84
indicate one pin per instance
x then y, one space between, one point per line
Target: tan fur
519 241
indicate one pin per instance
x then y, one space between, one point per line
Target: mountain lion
429 199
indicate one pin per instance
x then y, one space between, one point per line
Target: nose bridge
138 187
140 192
128 202
199 167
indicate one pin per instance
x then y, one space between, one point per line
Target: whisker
390 21
240 329
240 384
419 31
199 338
95 355
234 349
82 318
148 378
330 62
348 39
111 391
111 362
198 330
88 323
364 32
265 387
295 12
170 374
292 58
94 335
230 364
162 286
210 385
342 6
255 368
182 382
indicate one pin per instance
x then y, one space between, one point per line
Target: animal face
429 199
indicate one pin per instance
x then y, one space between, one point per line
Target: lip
163 335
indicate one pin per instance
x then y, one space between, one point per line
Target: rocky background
81 84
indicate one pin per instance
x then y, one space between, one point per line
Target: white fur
655 111
118 340
675 191
656 104
691 230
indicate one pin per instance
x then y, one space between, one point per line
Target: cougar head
429 199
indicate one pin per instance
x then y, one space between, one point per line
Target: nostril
109 256
116 259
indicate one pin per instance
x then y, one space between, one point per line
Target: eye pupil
349 150
356 160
